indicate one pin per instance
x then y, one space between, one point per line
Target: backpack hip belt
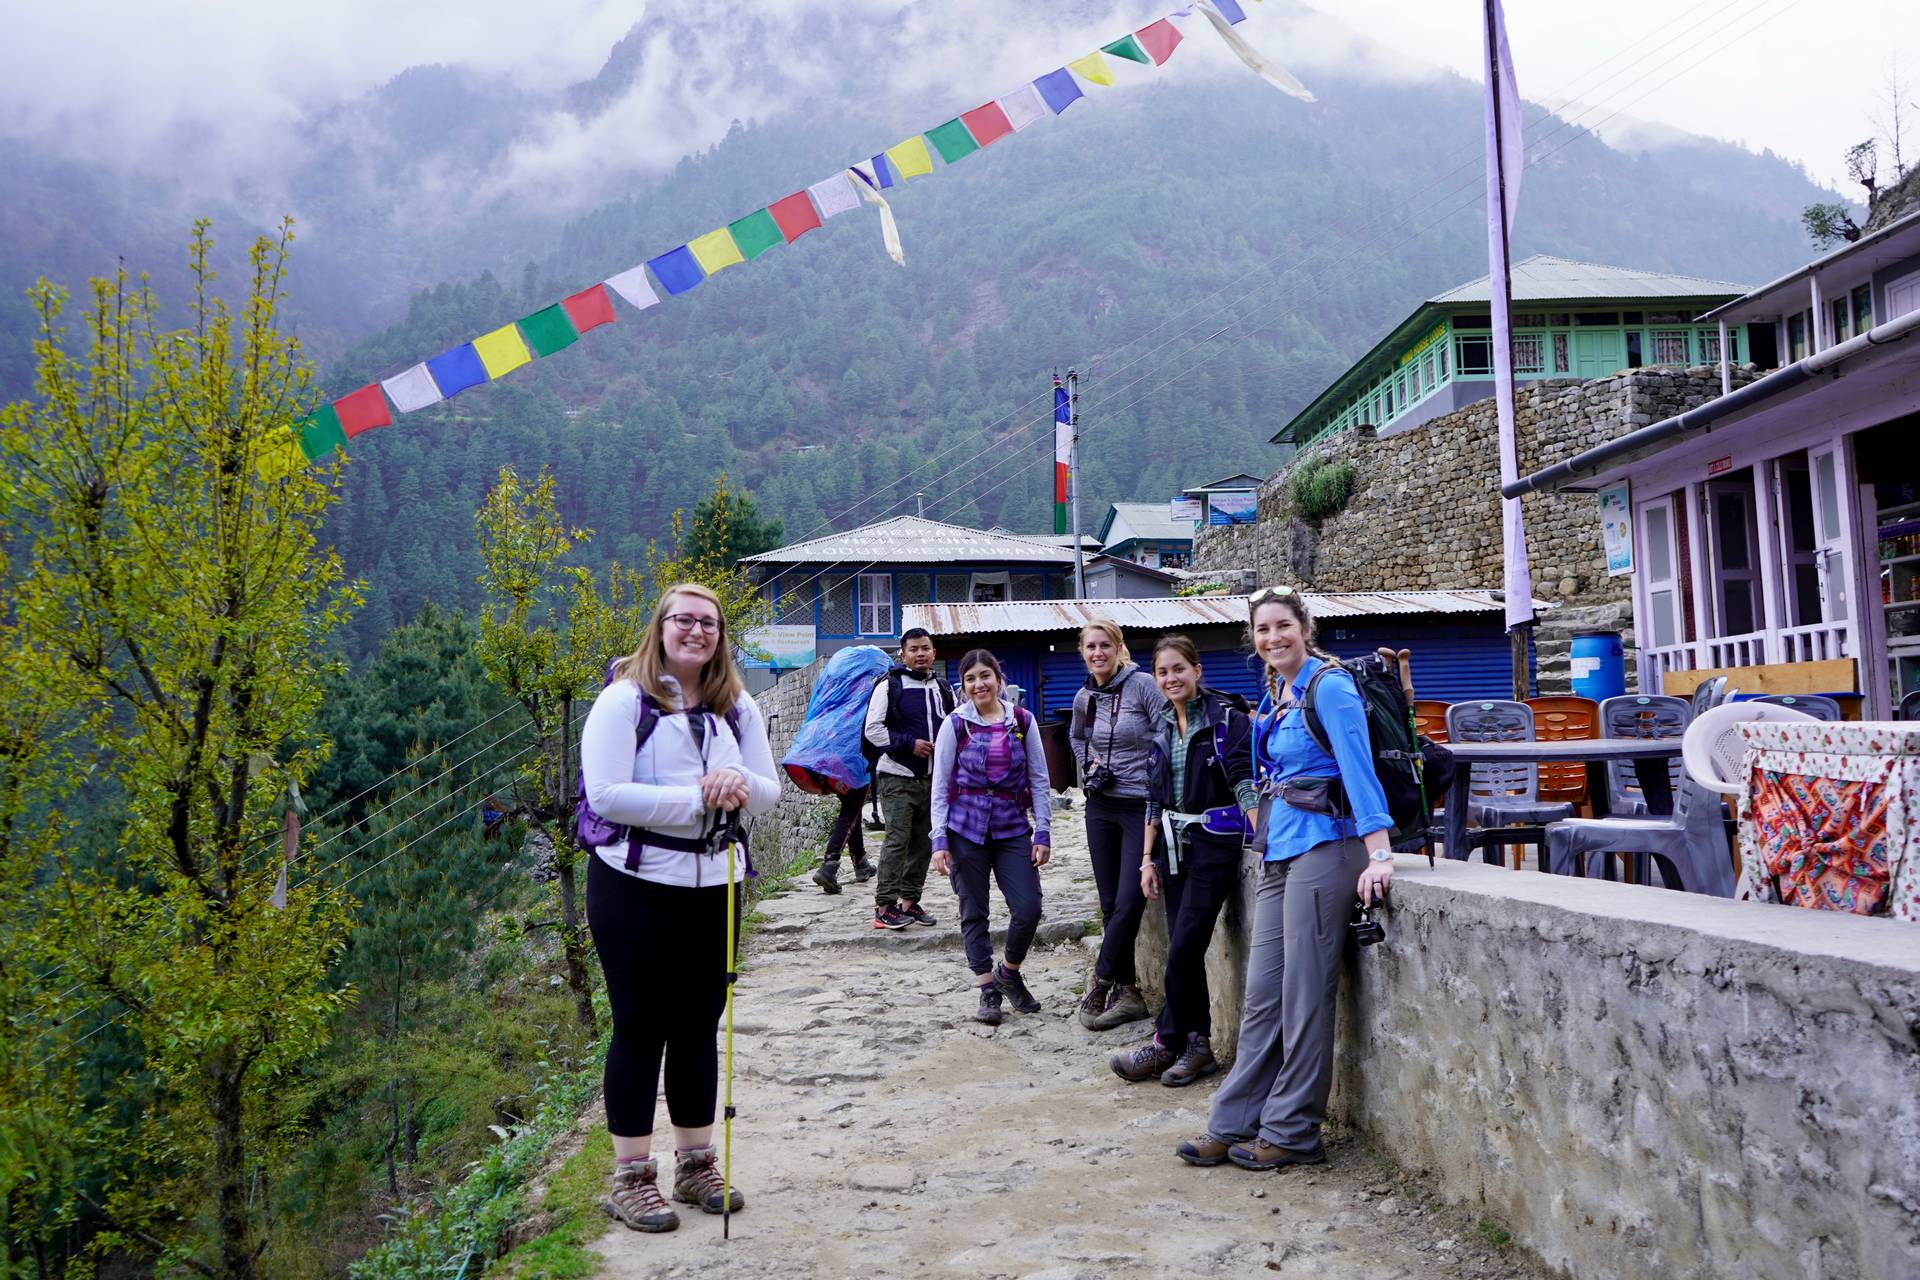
1222 820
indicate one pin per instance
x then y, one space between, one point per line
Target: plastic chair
1819 706
1713 749
1709 694
1690 847
1562 719
1639 715
1503 798
1430 719
1909 707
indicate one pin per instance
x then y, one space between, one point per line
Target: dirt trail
881 1132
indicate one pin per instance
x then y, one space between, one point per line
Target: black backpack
870 753
1412 770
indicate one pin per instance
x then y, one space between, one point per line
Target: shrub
1321 488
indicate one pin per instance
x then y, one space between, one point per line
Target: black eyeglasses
1265 594
688 621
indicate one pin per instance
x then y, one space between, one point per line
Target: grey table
1649 757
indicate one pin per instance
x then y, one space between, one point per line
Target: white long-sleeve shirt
658 788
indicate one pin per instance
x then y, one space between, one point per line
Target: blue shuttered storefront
1452 661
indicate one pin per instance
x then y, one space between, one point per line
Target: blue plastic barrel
1599 665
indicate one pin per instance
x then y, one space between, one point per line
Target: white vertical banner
1506 156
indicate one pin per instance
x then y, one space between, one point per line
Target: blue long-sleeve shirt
1287 750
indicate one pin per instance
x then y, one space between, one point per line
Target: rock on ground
881 1132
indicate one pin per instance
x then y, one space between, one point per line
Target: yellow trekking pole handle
726 1166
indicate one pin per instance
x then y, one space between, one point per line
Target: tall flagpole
1073 486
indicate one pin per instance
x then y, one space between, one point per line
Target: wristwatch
1380 855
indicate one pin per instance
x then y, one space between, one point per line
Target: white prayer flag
414 389
1024 106
632 284
834 195
1506 156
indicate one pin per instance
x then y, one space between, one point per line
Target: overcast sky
110 80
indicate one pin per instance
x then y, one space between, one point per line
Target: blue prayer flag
1230 10
677 270
456 370
1058 89
882 171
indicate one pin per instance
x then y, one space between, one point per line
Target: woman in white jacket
657 894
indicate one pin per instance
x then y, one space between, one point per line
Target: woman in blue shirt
1317 855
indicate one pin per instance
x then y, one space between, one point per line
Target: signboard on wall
782 647
1616 529
1186 510
1232 508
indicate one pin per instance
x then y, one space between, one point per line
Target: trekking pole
726 1165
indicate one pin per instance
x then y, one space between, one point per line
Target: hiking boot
1195 1061
889 918
989 1010
914 912
827 876
1205 1151
696 1180
1144 1063
1261 1155
1127 1005
1014 988
1094 1003
636 1199
862 870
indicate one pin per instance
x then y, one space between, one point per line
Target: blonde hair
1111 630
720 684
1293 602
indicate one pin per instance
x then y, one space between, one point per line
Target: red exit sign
1719 466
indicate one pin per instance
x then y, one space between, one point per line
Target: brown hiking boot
1261 1155
1127 1005
696 1180
1144 1063
1195 1061
1205 1151
636 1199
1094 1003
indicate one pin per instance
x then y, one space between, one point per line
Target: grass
1495 1235
573 1207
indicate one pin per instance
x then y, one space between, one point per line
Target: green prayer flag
320 433
952 140
548 330
756 233
1129 48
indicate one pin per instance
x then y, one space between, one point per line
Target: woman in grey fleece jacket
1116 718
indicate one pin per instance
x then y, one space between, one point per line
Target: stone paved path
883 1133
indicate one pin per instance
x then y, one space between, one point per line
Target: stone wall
1425 510
801 822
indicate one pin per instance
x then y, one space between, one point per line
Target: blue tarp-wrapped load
826 758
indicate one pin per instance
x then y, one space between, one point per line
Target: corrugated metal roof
912 540
1150 520
1547 279
1182 611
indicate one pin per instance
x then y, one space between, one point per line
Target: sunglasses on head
1265 594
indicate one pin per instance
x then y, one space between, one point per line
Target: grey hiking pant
1283 1069
908 803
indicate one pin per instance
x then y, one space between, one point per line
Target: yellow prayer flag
279 455
1092 68
501 351
910 159
715 250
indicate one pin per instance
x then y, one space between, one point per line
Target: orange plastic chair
1561 719
1430 719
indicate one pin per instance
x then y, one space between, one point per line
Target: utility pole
920 503
1073 487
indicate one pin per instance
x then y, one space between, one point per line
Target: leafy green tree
727 524
180 604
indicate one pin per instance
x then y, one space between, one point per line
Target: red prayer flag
794 215
987 124
1159 40
364 410
589 308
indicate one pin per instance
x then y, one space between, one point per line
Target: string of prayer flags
1230 10
794 214
910 158
1022 107
320 433
591 308
952 141
834 195
1160 39
363 410
280 455
1093 69
677 271
502 351
715 251
1126 47
1058 89
455 370
756 233
549 330
412 389
632 285
988 123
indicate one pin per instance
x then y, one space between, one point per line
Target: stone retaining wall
801 822
1637 1082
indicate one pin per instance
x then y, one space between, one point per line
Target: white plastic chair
1713 749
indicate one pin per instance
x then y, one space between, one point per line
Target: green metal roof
1539 279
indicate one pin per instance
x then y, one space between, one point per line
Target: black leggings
1116 835
663 950
846 833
